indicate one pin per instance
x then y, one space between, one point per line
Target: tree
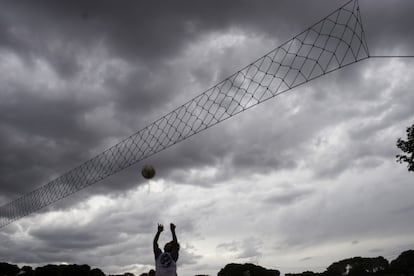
97 272
357 266
404 263
247 269
47 270
28 271
8 269
408 148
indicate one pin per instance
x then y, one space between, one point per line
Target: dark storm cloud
78 76
147 36
151 30
32 128
388 26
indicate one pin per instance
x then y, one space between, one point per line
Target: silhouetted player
166 262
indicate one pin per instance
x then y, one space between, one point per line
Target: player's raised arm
174 236
157 236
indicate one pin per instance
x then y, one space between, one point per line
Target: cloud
229 246
287 198
250 248
303 172
117 232
306 259
108 88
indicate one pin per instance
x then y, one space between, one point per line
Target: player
166 262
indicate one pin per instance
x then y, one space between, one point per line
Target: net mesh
332 43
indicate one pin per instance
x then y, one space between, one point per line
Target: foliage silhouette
8 269
407 146
358 266
246 270
403 265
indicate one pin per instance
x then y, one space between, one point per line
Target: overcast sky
294 184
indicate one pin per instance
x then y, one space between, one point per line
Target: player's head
170 246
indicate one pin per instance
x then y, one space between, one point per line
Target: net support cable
336 41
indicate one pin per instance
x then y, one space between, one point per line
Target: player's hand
172 227
160 228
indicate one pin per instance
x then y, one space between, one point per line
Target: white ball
148 171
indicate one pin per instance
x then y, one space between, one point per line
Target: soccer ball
148 171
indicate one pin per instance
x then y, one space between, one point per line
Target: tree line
403 265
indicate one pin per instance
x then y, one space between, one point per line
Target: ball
148 171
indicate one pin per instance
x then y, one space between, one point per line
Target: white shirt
165 265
